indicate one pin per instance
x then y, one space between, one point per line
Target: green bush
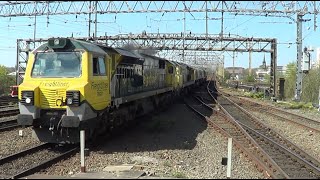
249 78
301 105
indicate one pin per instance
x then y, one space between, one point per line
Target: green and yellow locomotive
71 84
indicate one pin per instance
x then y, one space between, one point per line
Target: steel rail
269 167
258 125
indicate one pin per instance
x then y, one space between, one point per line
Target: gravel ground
21 164
312 114
175 143
172 144
8 118
303 138
7 108
12 143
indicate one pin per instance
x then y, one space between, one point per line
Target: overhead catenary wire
76 24
238 25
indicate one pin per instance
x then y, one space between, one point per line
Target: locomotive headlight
27 97
28 100
56 41
69 101
73 98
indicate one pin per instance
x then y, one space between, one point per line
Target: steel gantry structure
171 42
288 9
263 8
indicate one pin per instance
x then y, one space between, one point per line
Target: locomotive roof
172 62
77 44
129 56
182 64
128 53
93 47
87 46
154 57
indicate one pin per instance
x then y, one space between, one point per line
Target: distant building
264 70
238 71
282 70
12 74
261 73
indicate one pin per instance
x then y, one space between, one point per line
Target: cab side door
99 82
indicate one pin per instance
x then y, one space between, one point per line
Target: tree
5 80
227 75
310 86
290 80
266 79
249 78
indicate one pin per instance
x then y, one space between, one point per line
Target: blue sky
283 29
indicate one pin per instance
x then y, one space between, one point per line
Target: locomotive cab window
57 64
95 66
99 66
113 61
170 70
102 67
162 64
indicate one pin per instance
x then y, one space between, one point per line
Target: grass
296 105
179 175
258 95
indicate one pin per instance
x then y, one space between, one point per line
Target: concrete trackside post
226 161
82 146
229 158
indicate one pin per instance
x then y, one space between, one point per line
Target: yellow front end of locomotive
51 93
65 86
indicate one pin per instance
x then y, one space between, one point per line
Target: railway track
271 153
32 160
8 106
292 160
9 112
8 124
8 118
7 100
308 123
198 107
